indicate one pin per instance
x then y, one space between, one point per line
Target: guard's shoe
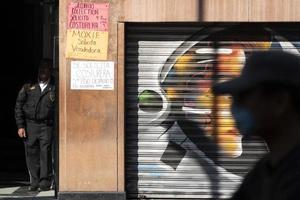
44 188
32 188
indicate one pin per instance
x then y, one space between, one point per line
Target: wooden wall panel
209 10
88 122
160 10
224 10
62 97
121 105
91 136
184 10
274 10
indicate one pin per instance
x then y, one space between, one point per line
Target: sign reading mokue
87 33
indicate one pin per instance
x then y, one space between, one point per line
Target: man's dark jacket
34 105
273 182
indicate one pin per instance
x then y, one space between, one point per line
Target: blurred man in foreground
266 103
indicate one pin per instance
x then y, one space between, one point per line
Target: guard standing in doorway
34 114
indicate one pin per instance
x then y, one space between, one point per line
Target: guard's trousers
38 153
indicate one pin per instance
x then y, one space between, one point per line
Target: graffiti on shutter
171 149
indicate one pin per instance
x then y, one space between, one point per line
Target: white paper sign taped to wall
92 75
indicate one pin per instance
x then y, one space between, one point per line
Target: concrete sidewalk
19 191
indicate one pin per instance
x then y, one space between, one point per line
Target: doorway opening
39 38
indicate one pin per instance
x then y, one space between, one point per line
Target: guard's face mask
243 119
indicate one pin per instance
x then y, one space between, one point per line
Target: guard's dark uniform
34 111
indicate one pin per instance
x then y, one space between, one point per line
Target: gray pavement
21 192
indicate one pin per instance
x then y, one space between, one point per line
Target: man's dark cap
264 67
46 62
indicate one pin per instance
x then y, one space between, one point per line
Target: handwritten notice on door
87 32
92 75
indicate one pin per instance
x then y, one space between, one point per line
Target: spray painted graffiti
178 155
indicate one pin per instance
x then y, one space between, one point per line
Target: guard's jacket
34 105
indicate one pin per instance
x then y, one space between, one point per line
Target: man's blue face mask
243 119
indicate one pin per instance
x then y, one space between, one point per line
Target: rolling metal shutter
172 149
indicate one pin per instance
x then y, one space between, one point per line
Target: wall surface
88 123
274 10
210 10
92 122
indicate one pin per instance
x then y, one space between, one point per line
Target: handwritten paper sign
88 16
92 75
87 33
84 44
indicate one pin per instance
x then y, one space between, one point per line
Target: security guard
34 114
